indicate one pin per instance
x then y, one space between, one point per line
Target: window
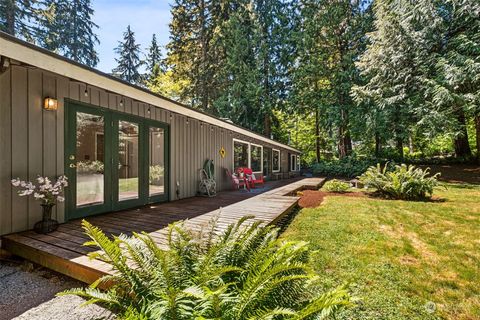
247 155
240 154
256 158
294 162
276 160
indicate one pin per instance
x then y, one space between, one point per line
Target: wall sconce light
187 122
85 93
50 104
121 102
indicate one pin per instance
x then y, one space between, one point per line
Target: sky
145 18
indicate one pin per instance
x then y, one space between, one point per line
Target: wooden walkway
63 250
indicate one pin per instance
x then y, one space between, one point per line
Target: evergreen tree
17 18
389 64
189 54
330 38
154 56
423 65
129 58
154 63
448 50
68 28
240 98
275 22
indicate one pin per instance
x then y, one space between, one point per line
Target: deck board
63 250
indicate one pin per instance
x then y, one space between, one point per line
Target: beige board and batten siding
32 139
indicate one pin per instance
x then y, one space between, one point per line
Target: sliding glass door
113 161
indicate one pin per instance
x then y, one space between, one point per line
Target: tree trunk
203 63
344 139
410 144
462 147
399 142
267 125
11 9
317 134
378 144
477 132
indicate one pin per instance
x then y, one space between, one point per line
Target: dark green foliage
329 39
233 58
66 27
405 182
348 167
129 58
153 61
335 185
242 273
17 18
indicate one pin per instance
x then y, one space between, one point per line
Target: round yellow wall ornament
222 152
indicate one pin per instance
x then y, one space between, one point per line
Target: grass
404 260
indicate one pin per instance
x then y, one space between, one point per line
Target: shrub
244 272
348 167
336 186
405 182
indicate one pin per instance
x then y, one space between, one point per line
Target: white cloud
145 17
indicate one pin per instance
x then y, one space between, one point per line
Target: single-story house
120 145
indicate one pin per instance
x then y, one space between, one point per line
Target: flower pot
47 224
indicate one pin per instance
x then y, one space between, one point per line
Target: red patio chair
238 182
252 178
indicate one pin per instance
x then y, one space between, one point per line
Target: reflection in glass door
128 160
90 159
156 175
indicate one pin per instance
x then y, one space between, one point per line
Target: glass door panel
128 160
156 174
267 161
90 159
113 161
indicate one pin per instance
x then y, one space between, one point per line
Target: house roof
30 54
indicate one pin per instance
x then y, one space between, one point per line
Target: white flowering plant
44 189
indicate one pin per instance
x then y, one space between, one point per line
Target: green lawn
400 257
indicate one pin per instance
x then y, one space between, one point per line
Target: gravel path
28 292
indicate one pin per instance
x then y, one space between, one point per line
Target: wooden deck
63 250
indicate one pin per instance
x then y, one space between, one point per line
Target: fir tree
154 56
330 38
129 58
154 63
67 27
17 18
389 64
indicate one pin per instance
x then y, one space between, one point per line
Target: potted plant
46 191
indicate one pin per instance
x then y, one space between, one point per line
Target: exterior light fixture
187 121
85 93
148 110
121 102
50 104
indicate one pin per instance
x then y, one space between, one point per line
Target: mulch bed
312 198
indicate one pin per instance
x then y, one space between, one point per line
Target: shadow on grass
287 219
380 196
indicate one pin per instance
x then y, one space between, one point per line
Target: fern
244 272
404 182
